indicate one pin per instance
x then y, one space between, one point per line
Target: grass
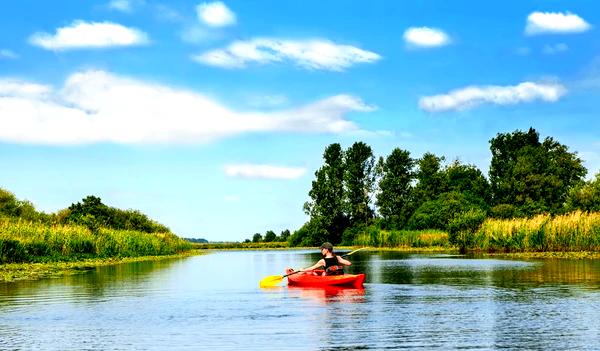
256 246
373 237
22 241
573 232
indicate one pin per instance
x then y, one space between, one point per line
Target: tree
396 174
467 178
270 236
438 213
585 196
326 206
257 238
359 179
431 180
285 235
533 176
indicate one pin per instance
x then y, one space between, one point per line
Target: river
213 302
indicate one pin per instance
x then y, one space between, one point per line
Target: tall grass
375 237
575 231
22 241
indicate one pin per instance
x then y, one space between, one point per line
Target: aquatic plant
26 241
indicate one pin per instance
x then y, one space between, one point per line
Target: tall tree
431 180
326 206
468 179
396 173
270 236
532 175
359 178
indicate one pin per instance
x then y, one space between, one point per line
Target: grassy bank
418 239
29 271
22 242
572 232
256 246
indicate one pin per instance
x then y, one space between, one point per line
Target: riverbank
31 271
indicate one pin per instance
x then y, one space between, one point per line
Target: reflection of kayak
315 279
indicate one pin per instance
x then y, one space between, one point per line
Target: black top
331 261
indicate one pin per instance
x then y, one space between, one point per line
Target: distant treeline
354 193
90 212
269 237
86 229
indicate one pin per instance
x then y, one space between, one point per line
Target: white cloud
465 98
555 49
82 34
121 5
21 89
311 54
215 14
426 37
96 106
555 22
264 171
8 54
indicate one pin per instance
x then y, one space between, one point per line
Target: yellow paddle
273 280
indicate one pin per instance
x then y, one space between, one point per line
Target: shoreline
10 272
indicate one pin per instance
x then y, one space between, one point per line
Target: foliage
575 231
532 175
462 227
585 196
359 179
437 214
92 213
467 179
376 237
504 211
326 205
23 241
270 236
10 206
431 181
257 238
393 198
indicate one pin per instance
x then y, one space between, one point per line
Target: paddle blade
271 281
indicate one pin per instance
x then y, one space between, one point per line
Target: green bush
437 214
463 226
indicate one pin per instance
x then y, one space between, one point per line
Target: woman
333 264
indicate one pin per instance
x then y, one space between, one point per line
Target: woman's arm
321 263
343 261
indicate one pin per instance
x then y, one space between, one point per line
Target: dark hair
327 246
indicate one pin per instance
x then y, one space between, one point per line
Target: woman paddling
333 264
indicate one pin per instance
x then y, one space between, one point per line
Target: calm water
213 302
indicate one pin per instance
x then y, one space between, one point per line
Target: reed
23 241
575 231
374 237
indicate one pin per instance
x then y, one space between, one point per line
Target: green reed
575 231
22 241
374 237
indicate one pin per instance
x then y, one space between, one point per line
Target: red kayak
316 279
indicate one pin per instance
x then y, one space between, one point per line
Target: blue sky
212 117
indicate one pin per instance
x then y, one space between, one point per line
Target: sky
212 117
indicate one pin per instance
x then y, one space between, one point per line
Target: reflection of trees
89 285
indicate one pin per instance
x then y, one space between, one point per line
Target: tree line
90 212
527 176
269 237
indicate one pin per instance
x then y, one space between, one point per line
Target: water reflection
213 302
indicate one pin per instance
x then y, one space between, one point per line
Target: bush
12 251
437 214
504 211
463 226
